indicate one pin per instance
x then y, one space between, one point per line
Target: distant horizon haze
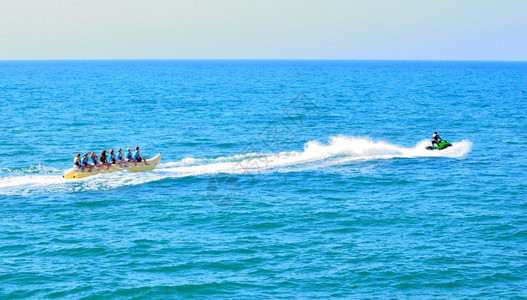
275 29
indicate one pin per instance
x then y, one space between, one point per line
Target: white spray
340 150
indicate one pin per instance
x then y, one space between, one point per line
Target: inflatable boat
75 173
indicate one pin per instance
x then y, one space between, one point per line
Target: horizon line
259 59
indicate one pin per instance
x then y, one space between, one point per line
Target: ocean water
279 179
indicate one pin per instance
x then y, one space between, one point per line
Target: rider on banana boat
77 162
128 157
85 164
94 161
104 160
120 158
137 156
111 157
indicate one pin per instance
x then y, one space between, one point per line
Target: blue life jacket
129 155
119 156
135 154
84 161
94 160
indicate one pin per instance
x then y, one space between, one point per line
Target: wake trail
340 150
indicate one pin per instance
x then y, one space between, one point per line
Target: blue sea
278 179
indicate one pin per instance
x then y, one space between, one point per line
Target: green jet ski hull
442 145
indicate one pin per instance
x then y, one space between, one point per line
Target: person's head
103 152
78 155
119 150
435 132
136 148
92 154
128 149
85 154
111 151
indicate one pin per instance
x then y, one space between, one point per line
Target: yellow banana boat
139 167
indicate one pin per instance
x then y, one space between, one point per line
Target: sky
264 29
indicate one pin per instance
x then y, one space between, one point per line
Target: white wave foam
339 150
38 169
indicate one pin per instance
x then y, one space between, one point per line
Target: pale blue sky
268 29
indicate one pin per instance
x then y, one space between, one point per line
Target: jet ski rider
436 139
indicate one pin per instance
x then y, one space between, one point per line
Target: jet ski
442 145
